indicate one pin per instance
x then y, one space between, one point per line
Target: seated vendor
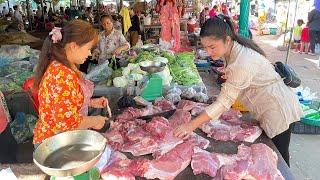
64 94
112 42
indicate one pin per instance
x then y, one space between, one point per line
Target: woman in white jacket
252 80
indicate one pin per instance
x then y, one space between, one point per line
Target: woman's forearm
87 122
199 120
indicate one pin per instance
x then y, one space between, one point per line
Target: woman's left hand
117 52
101 102
184 130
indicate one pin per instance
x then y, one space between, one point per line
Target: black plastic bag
290 78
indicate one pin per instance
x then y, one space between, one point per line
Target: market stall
217 146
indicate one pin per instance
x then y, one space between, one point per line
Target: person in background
213 12
50 14
64 94
48 25
8 143
18 18
297 33
134 30
117 22
4 11
45 11
10 13
111 42
204 15
314 27
39 12
305 40
252 80
17 15
191 25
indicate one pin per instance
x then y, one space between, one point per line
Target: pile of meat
255 162
171 155
228 127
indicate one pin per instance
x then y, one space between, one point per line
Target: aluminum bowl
70 153
152 67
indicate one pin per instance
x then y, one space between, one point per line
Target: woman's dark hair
106 16
221 26
72 32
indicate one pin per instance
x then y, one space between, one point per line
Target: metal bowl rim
46 169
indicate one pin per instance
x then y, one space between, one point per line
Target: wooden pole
291 32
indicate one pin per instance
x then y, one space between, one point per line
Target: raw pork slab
168 143
225 131
255 162
186 105
164 105
158 127
179 117
169 165
209 163
117 168
143 146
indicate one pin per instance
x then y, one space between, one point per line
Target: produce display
16 65
183 69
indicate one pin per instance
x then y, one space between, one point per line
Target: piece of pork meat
144 146
158 127
186 105
164 105
224 131
169 165
117 168
257 162
209 163
179 117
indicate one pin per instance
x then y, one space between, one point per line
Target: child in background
305 40
297 34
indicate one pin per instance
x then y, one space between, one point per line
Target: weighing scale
150 87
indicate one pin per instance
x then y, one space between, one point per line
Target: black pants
8 148
282 142
314 39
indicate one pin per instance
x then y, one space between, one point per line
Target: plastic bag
188 93
99 73
174 98
175 90
165 76
20 128
23 65
201 97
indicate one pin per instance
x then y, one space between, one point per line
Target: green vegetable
171 58
143 56
120 82
183 70
116 73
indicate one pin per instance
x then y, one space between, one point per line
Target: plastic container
273 31
301 128
153 88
